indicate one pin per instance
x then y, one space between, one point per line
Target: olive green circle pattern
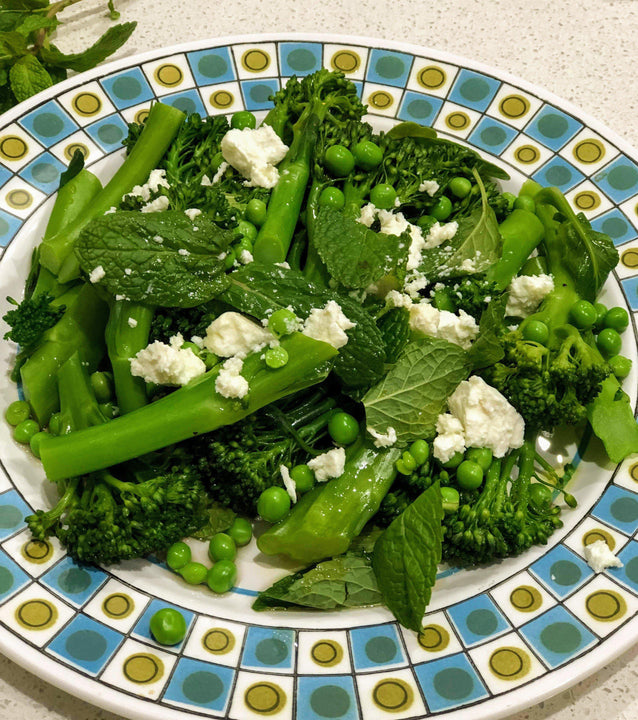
459 105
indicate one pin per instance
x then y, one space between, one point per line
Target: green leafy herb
406 556
28 77
613 421
219 519
157 258
411 129
343 582
487 349
413 393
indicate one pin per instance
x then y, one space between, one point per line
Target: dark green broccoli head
31 318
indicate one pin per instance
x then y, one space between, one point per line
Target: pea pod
521 231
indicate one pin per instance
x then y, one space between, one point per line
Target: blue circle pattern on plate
469 107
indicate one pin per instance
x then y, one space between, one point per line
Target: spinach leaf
157 258
487 348
356 256
477 240
413 393
345 581
612 420
405 558
258 289
412 130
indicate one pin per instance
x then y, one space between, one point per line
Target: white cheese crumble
429 186
459 329
206 181
438 233
328 465
229 383
255 153
396 299
111 210
158 205
156 180
289 483
97 274
192 213
197 340
599 556
220 173
328 324
383 440
450 437
164 364
132 322
183 251
233 334
158 239
283 265
526 292
127 271
245 257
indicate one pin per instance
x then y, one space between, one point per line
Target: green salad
355 336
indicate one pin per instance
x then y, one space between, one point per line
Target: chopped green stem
314 268
522 232
78 406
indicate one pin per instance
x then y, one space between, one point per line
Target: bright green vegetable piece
442 209
24 431
601 311
469 475
194 573
332 197
402 468
35 441
383 196
222 576
540 495
409 461
222 547
276 357
273 504
241 531
609 342
525 202
582 314
339 160
168 626
420 451
450 498
343 428
367 155
18 411
178 555
481 456
617 319
304 478
522 232
460 186
256 212
102 384
535 331
283 322
620 366
243 119
247 230
454 461
230 259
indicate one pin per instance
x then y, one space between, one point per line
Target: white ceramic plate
498 639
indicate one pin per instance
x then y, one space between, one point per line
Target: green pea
601 311
408 461
230 259
332 197
425 222
401 468
535 331
256 212
247 230
451 498
108 409
481 456
620 366
469 475
339 160
24 431
525 202
243 119
178 555
443 208
420 451
18 411
460 186
222 576
102 385
55 424
540 495
276 357
35 441
454 461
608 342
283 322
583 314
222 547
367 155
273 504
194 573
343 428
383 196
616 318
241 531
304 478
168 626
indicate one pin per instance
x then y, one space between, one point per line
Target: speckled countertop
583 52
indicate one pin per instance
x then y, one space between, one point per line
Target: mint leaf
413 393
487 349
354 255
406 556
12 45
218 519
33 23
24 5
28 77
345 581
183 270
112 40
612 420
412 130
10 19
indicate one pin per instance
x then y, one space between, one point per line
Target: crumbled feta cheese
328 324
393 223
158 205
367 215
183 251
526 292
255 153
206 181
121 297
429 186
396 299
229 383
283 265
220 173
415 282
233 334
438 233
97 274
383 440
459 329
158 239
450 437
132 322
167 364
111 210
328 465
156 180
289 483
197 340
245 257
488 419
192 213
468 265
599 556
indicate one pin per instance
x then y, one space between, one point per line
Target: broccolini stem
521 231
72 200
159 130
314 269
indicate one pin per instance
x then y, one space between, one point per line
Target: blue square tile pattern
474 90
557 636
44 173
188 101
615 224
142 628
321 697
628 573
376 647
552 127
618 507
477 620
4 175
559 173
49 123
269 648
300 58
419 107
561 571
213 65
108 132
127 88
9 226
12 577
86 643
387 67
74 581
200 684
257 93
630 288
492 136
619 179
13 509
449 682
